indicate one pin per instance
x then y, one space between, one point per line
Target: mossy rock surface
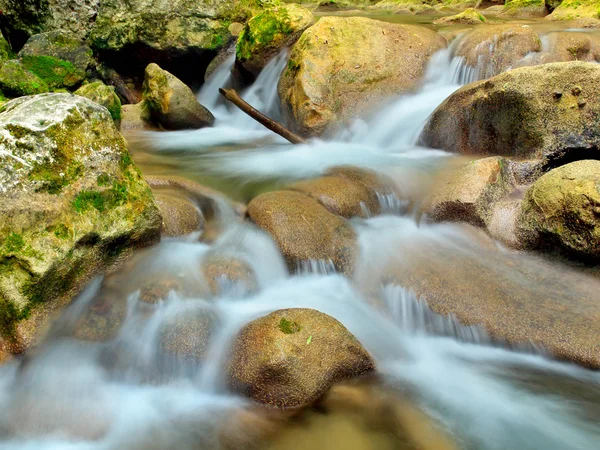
104 95
5 50
54 72
469 16
71 198
304 229
544 112
61 45
525 8
171 103
341 67
565 46
561 211
268 33
576 9
291 357
17 81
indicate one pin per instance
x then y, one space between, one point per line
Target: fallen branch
276 127
113 78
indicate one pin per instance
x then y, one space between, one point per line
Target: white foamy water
129 390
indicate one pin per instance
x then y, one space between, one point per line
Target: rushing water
131 392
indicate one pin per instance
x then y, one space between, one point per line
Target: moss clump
104 95
518 4
54 177
56 73
17 81
574 9
289 326
262 30
14 243
101 200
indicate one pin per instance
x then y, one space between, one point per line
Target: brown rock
303 229
187 335
223 272
291 357
180 216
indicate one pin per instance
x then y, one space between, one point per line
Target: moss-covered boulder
525 8
171 103
467 194
16 80
104 95
576 9
71 200
56 73
548 111
561 211
496 48
5 50
304 229
291 357
340 67
61 45
469 16
268 33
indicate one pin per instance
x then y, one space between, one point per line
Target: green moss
14 243
518 4
101 200
16 81
56 73
262 30
289 326
61 231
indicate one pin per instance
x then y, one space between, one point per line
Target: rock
25 18
187 336
55 73
291 357
267 33
171 103
16 80
177 35
304 230
224 54
561 211
180 215
104 95
158 290
525 8
585 22
348 191
135 118
469 16
342 66
467 194
102 319
497 48
72 201
576 9
530 113
225 274
61 45
5 50
565 46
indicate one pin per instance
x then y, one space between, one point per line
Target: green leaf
309 340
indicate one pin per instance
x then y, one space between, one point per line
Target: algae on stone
16 80
56 73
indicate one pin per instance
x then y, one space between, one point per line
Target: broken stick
276 127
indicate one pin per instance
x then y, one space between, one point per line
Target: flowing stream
126 393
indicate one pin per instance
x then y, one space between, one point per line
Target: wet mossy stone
61 45
16 80
104 95
576 9
72 201
5 50
56 73
469 16
291 357
268 33
525 8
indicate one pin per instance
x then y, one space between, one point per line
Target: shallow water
440 385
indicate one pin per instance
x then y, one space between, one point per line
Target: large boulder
268 33
16 80
179 214
171 103
340 67
561 210
62 45
291 357
469 16
54 72
71 200
467 194
104 95
494 49
177 34
575 9
5 50
304 229
564 46
546 111
525 8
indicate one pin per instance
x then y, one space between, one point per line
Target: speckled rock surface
104 95
71 201
62 45
291 357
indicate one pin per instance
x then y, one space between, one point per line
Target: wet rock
228 274
71 198
575 9
565 46
186 336
180 216
496 48
291 357
469 16
543 112
525 8
16 80
304 229
102 319
224 54
340 67
171 103
269 32
104 95
61 45
5 50
158 290
467 194
135 118
562 209
54 72
584 22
